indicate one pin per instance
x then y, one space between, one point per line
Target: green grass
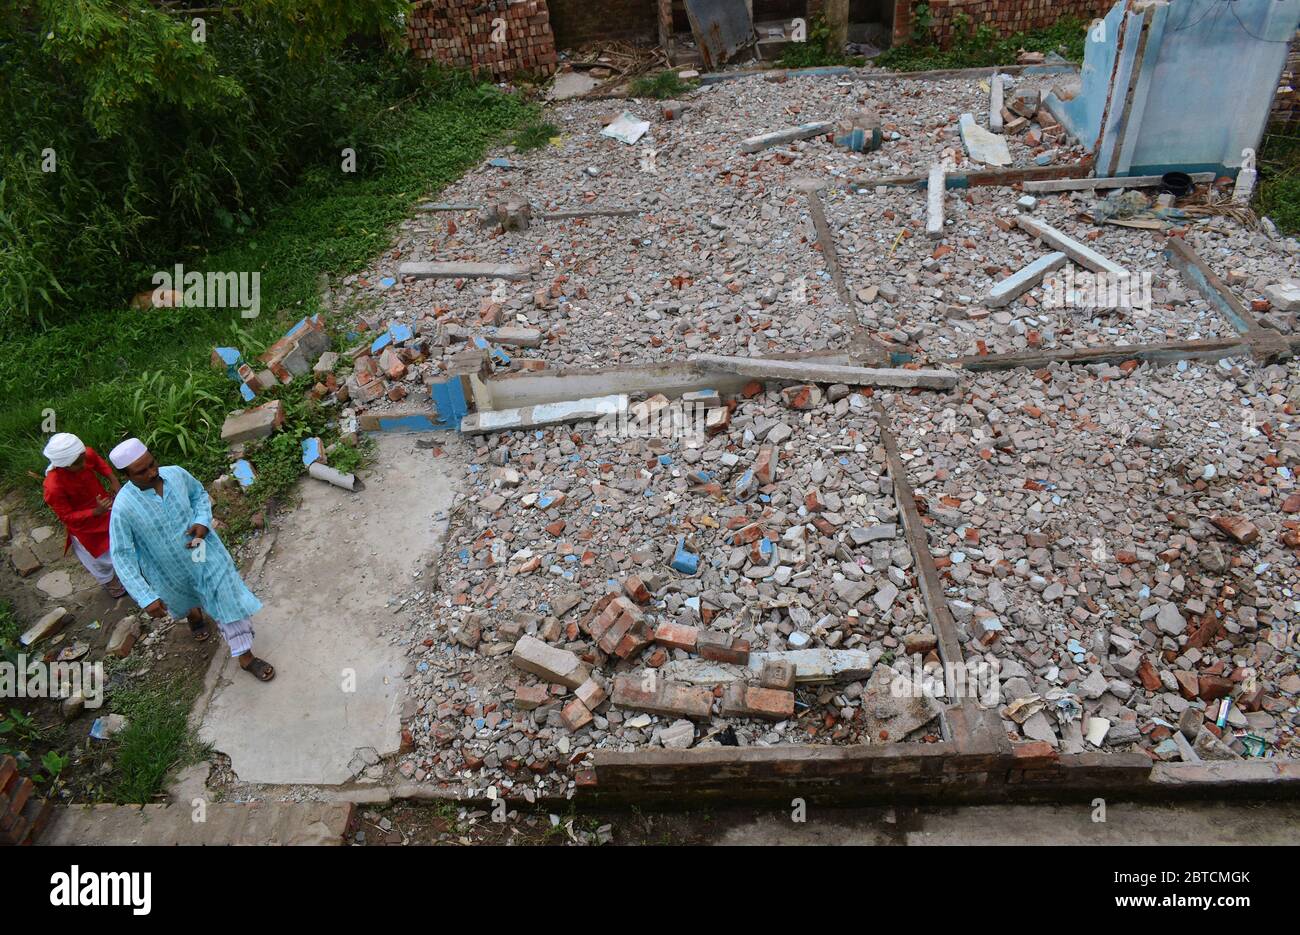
534 135
1278 193
157 739
661 86
982 47
116 372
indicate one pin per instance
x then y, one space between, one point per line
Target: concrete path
245 823
1126 823
338 559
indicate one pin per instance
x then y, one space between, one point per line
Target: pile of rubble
1124 539
749 580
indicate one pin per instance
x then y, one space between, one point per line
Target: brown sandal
200 629
262 670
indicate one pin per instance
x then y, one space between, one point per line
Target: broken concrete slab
808 371
464 271
804 131
1084 256
253 423
549 662
818 665
47 626
983 146
893 709
1017 284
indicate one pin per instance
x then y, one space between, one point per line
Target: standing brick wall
1286 106
577 22
458 33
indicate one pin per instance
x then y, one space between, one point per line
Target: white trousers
101 569
238 634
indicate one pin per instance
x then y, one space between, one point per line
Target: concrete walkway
244 823
1126 823
338 559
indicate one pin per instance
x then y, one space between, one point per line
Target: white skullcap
127 453
62 450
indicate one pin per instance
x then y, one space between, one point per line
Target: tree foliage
136 129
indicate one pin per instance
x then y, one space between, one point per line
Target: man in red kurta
75 494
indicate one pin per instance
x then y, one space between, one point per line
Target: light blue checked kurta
147 538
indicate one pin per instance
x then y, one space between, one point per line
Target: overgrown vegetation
157 739
662 86
980 46
816 51
106 372
1278 194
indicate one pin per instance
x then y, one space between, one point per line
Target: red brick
740 700
677 636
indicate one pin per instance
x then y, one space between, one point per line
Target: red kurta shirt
72 495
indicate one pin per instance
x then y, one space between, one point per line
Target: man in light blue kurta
170 561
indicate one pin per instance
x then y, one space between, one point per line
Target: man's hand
156 610
102 505
196 534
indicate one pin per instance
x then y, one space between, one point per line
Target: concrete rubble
1109 539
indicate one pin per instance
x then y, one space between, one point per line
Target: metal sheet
721 27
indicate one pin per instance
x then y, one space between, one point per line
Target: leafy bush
982 46
1278 194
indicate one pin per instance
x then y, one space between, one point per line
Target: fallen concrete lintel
978 179
813 372
876 75
1017 284
995 103
964 723
463 271
1087 185
1190 266
804 131
1106 354
444 206
1084 256
934 190
590 213
827 241
506 337
574 410
672 379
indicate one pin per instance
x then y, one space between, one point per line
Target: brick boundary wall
458 33
917 773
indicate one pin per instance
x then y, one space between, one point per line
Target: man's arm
59 502
100 467
126 561
200 503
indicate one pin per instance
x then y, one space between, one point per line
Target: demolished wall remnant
500 36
